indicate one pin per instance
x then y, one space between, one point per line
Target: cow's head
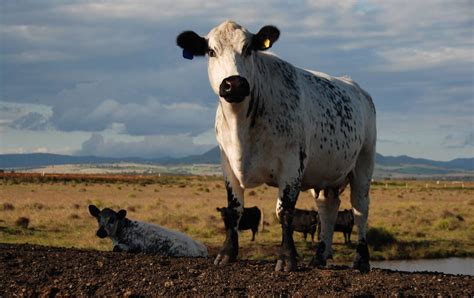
231 50
108 220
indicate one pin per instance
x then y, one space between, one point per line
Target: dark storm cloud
31 121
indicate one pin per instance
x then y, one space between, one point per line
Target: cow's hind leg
285 210
328 205
360 185
235 209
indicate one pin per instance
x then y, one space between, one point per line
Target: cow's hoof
223 260
318 262
361 261
362 266
286 265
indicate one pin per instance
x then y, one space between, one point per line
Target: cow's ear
265 38
94 211
192 44
121 214
218 209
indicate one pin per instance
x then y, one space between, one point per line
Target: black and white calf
306 222
250 219
136 236
290 128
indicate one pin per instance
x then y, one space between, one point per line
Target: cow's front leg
234 211
288 195
328 205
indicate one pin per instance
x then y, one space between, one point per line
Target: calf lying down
136 236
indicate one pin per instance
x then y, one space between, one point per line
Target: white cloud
37 56
147 118
149 10
403 59
150 147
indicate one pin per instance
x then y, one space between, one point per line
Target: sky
106 78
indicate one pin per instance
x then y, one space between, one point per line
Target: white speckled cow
287 127
136 236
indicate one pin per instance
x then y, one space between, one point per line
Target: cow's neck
234 127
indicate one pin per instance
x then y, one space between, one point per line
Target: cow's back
340 118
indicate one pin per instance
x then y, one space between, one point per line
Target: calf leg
328 206
253 234
235 206
285 209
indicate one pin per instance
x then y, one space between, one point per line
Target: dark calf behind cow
344 224
306 222
249 221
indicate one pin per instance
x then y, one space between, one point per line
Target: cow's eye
211 53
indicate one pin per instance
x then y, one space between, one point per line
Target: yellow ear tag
266 43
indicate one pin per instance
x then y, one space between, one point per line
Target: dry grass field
408 219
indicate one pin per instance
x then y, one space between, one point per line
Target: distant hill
212 156
32 160
458 163
386 166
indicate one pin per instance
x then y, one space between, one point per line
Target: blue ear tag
187 55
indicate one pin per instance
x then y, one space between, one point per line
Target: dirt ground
31 270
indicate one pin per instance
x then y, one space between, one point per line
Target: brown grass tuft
22 222
8 206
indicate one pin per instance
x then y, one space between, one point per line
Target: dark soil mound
31 270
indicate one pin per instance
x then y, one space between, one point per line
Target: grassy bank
415 219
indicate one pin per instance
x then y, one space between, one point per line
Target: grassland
408 219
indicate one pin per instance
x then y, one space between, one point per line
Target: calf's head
231 50
108 220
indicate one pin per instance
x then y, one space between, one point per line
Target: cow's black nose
101 233
234 89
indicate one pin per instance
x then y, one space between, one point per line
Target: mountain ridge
31 160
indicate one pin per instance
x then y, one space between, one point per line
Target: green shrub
448 224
